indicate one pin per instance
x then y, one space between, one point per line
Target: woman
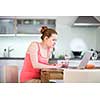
37 56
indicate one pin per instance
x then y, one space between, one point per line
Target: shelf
7 35
28 35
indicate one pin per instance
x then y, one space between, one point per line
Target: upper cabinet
32 26
24 26
7 26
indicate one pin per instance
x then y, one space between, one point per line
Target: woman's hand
59 65
62 65
56 65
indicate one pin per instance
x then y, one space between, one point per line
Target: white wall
98 38
90 37
67 33
19 44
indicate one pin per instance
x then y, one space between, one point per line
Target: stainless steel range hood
89 21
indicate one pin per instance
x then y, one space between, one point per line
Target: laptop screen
85 59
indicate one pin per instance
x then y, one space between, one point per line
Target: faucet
9 50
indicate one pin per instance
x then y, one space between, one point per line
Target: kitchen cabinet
7 26
24 26
10 74
8 64
32 26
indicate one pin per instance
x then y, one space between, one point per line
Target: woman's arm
33 50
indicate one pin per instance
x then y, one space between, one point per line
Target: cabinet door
10 63
10 74
6 26
1 74
28 26
32 26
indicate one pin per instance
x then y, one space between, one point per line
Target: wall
98 38
66 32
19 44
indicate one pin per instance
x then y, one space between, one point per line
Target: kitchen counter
72 62
81 75
71 58
55 59
75 62
11 58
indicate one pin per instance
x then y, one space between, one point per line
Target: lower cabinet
10 70
10 74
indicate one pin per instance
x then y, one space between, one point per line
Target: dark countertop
22 58
64 59
11 58
71 59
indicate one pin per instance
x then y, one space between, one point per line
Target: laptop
85 59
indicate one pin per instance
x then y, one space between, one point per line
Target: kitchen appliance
87 21
98 54
76 54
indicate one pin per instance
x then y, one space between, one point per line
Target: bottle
5 53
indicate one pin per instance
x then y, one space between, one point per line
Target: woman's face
51 41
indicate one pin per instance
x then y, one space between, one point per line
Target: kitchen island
18 61
82 75
69 75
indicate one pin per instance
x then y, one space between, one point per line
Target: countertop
22 58
11 58
71 59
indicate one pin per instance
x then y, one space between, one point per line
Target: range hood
89 21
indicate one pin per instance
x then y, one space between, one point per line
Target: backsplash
19 44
